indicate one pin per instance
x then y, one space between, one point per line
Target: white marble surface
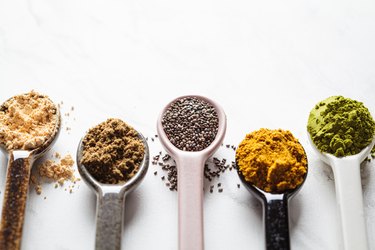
266 62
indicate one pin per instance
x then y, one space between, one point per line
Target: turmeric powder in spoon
272 160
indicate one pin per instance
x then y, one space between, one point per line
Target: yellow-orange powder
272 160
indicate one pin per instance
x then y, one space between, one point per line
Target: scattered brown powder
56 171
27 121
112 152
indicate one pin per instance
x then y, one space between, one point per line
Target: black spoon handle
277 224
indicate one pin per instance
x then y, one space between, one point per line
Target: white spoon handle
350 203
190 204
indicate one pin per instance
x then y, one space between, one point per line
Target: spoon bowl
17 186
111 201
346 171
190 167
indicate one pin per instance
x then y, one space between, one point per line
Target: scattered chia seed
191 124
213 168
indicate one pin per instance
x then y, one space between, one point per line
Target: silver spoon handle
109 222
277 224
14 203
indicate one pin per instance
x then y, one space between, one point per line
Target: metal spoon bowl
111 201
346 171
276 210
17 185
190 167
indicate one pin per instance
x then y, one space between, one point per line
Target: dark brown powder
112 152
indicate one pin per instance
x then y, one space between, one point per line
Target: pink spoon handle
190 203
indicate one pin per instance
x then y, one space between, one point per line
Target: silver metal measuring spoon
111 201
190 167
276 218
347 174
17 186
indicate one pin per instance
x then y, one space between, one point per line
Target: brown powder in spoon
112 152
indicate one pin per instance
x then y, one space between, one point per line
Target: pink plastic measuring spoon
190 167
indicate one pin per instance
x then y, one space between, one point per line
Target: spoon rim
118 187
206 152
47 144
263 194
328 158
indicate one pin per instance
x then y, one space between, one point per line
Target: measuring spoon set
190 168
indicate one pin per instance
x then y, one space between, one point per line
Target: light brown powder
27 121
56 171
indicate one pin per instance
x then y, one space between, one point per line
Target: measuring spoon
275 207
347 174
111 201
17 186
190 167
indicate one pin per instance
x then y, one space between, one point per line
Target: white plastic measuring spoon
346 171
190 167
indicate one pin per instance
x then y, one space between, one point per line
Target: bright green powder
341 126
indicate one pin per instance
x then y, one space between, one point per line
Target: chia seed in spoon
191 124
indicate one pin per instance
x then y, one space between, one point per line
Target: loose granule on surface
213 168
27 121
341 126
56 171
112 152
272 160
190 123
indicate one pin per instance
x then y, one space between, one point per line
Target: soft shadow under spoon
111 201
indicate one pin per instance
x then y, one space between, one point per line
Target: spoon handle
190 203
14 203
277 223
350 203
109 222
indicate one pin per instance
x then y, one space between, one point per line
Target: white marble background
267 63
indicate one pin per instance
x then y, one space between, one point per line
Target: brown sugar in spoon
20 161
